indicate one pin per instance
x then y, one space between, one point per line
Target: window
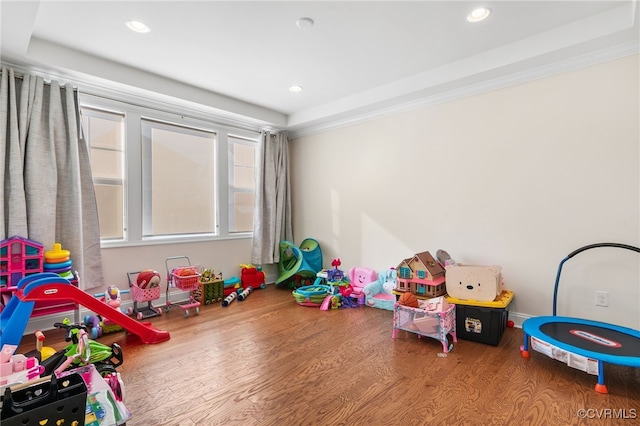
242 183
179 180
404 272
104 132
168 177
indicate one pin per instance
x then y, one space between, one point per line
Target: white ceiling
240 57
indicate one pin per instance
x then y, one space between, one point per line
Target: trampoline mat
593 338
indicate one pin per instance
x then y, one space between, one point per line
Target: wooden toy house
421 275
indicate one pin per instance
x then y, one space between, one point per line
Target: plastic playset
21 257
298 266
145 289
31 277
185 278
211 287
434 318
331 289
421 275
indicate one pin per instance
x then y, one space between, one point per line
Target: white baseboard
46 322
518 318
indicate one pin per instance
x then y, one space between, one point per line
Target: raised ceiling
240 57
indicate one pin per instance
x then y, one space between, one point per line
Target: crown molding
535 73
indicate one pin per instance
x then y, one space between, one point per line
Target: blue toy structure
304 261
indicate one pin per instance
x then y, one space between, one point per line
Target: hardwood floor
269 361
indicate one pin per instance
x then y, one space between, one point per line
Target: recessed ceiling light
137 26
304 23
478 14
295 89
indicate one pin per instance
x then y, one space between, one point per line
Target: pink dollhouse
19 257
421 275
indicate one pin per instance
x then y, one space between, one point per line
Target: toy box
482 322
209 292
481 283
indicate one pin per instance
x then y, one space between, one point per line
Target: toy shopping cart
185 278
147 294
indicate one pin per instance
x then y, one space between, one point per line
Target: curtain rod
20 76
154 108
254 129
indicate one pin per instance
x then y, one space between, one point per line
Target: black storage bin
481 324
55 401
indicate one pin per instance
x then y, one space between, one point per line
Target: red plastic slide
48 291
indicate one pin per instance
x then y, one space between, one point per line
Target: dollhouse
19 257
421 275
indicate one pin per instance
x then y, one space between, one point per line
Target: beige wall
518 177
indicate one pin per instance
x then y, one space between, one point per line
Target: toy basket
46 401
185 282
145 294
311 295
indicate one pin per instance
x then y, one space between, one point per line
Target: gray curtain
48 193
272 218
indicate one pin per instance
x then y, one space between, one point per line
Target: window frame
98 112
134 113
233 189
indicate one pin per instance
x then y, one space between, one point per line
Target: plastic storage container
482 322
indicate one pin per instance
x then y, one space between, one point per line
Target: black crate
51 402
480 324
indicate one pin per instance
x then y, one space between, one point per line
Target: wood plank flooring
268 361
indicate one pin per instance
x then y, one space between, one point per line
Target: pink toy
112 297
435 324
360 277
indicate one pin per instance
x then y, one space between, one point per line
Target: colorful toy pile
58 261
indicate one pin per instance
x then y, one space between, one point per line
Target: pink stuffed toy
359 277
112 297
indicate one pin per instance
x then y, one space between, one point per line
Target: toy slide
48 288
15 315
326 303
